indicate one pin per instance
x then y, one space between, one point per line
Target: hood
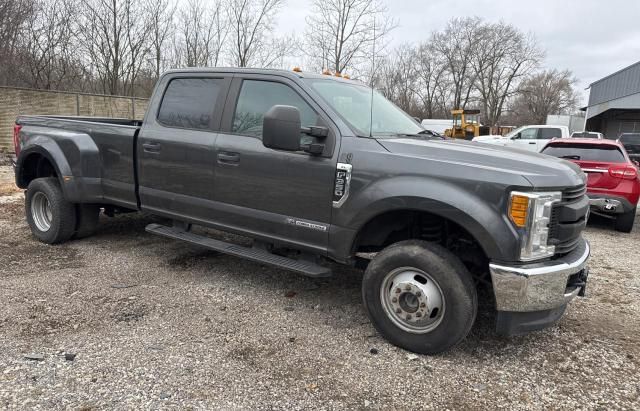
539 169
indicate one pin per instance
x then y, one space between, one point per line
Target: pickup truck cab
318 169
531 138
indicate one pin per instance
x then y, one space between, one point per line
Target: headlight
531 213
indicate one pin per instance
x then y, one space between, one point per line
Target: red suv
613 185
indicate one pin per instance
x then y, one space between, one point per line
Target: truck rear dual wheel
420 296
624 221
53 219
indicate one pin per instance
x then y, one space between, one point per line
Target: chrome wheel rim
412 300
41 211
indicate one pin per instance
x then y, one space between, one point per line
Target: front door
175 148
527 140
273 193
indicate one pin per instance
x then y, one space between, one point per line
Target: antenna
373 71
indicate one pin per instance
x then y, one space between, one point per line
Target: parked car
530 138
587 134
631 143
613 185
294 161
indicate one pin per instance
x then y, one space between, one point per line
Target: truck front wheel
420 296
52 219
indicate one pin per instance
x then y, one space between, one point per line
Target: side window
189 103
528 133
257 97
549 133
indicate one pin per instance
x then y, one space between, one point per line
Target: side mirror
281 131
516 137
281 128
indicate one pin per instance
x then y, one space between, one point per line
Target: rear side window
549 133
190 103
257 97
586 152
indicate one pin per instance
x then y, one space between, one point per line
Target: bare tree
341 34
14 14
48 48
456 45
503 56
432 82
201 35
115 38
397 78
251 28
160 14
544 93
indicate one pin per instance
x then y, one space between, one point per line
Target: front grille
568 219
574 193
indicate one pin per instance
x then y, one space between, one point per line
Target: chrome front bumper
538 286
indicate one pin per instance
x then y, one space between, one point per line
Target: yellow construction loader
466 125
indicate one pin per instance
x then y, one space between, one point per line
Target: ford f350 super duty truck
318 169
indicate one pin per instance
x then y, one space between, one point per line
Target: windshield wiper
572 157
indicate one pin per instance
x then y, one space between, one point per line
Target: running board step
254 254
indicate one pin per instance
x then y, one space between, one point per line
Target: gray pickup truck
320 170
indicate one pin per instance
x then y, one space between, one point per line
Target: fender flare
57 160
483 219
74 156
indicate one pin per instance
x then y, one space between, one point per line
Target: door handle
532 142
151 147
228 158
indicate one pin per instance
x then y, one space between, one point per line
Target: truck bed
98 152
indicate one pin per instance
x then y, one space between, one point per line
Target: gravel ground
155 323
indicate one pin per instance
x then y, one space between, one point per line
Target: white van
437 125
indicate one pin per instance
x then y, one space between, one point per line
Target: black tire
624 221
450 275
62 213
87 218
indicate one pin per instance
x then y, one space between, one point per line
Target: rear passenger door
175 148
277 194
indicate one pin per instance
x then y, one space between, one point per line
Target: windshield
353 103
472 118
514 132
630 139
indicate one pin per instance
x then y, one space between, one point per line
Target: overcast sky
592 38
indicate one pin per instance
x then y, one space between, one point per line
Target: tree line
122 46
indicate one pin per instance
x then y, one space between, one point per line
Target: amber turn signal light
518 210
